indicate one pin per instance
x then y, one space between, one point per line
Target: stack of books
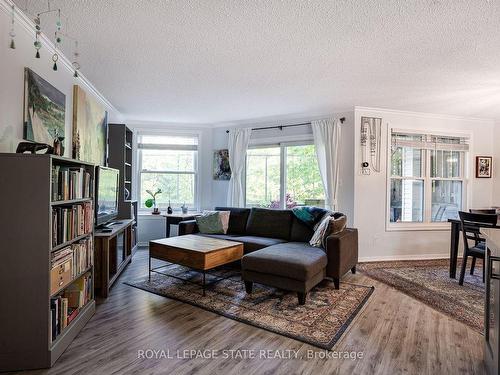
66 306
81 255
70 183
70 222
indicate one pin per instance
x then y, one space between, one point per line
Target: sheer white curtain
237 147
327 142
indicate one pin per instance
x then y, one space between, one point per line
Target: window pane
445 164
169 160
446 200
168 140
303 181
178 188
407 200
406 162
263 177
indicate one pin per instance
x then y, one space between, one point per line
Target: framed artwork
483 166
90 122
222 171
44 110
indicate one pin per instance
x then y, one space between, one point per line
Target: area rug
320 322
429 282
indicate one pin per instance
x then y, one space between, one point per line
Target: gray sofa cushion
264 222
237 219
300 231
219 236
253 243
295 260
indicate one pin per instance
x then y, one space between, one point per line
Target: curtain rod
280 127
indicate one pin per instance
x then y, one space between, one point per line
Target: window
285 175
426 178
169 163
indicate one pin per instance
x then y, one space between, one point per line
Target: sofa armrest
342 252
188 227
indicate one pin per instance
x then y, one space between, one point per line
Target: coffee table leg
149 268
203 284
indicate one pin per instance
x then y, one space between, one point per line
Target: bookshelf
46 279
120 146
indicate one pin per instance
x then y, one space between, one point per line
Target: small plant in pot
151 202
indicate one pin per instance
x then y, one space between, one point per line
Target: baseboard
404 257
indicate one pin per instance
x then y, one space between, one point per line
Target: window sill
410 227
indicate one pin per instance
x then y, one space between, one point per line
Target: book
70 183
69 222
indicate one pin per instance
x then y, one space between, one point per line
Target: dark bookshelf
28 293
120 156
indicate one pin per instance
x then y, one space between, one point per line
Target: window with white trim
427 179
282 176
169 163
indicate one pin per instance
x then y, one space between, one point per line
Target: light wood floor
396 334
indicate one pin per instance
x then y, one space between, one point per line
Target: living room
257 187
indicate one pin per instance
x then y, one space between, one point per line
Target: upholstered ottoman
293 266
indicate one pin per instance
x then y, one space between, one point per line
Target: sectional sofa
277 250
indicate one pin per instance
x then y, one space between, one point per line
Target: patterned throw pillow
328 226
213 222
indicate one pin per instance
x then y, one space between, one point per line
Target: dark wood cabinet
492 302
113 252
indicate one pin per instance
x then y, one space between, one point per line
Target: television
106 196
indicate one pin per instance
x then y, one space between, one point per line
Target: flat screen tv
106 195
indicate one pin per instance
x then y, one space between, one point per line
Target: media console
113 252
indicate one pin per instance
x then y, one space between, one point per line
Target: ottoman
293 266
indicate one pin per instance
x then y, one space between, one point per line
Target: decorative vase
156 211
169 209
184 209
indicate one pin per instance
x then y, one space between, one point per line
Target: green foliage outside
303 180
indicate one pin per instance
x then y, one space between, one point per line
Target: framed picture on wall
483 166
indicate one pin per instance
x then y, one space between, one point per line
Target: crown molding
423 114
28 25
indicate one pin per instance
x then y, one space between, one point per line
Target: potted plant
151 202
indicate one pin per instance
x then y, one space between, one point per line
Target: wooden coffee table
197 252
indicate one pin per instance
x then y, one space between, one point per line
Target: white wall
370 191
496 166
12 64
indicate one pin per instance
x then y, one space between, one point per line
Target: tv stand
113 252
108 225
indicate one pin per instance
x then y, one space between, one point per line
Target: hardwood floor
395 333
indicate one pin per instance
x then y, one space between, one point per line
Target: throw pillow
329 225
209 223
213 222
311 216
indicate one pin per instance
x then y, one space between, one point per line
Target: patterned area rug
320 322
429 282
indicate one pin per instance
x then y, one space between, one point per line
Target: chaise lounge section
277 250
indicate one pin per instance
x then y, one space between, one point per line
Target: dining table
456 228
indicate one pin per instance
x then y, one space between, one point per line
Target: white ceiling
210 61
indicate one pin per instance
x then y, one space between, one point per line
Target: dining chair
471 225
485 211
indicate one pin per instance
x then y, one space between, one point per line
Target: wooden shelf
128 182
72 281
64 244
71 201
128 164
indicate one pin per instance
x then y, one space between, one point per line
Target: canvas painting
483 166
89 128
44 110
222 171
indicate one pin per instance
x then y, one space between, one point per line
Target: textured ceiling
210 61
